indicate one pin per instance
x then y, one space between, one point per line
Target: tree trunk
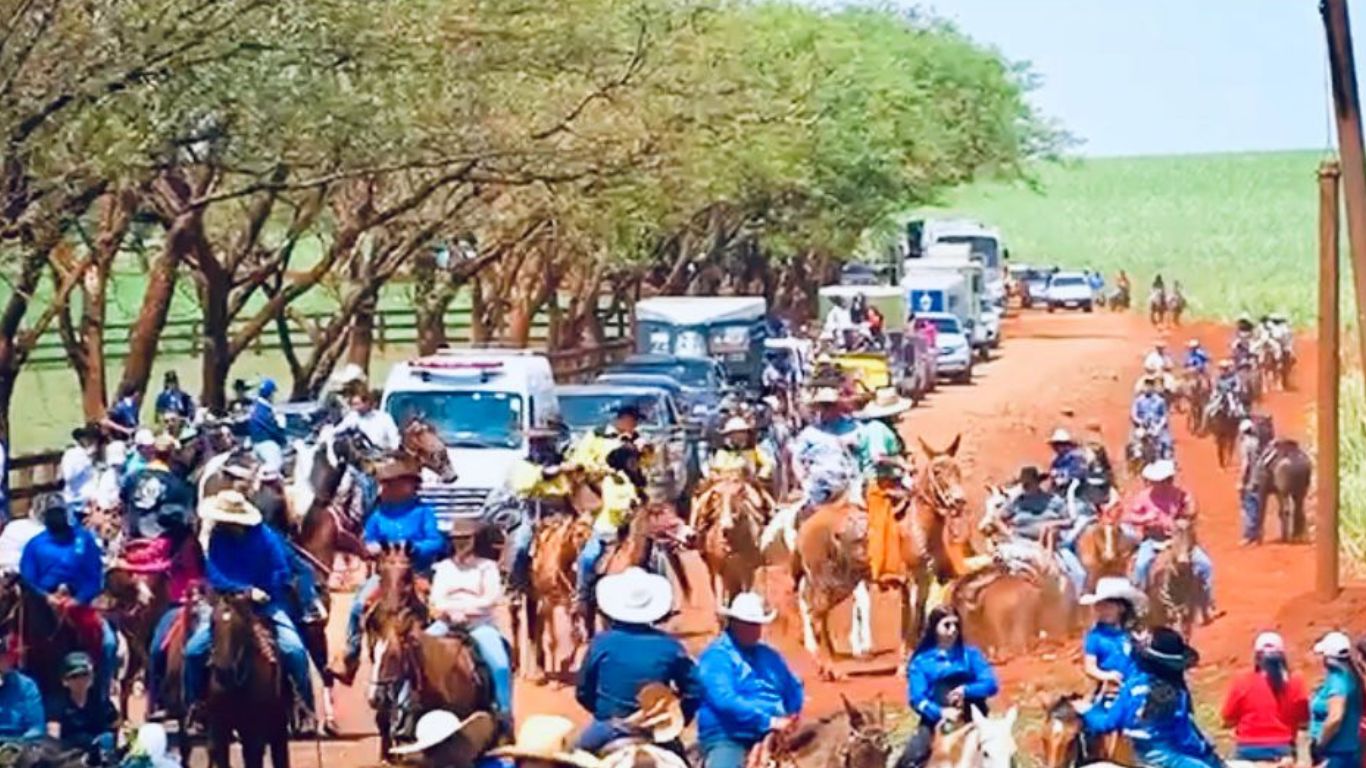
363 334
94 294
216 358
183 236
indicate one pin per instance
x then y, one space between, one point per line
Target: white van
987 331
481 402
985 245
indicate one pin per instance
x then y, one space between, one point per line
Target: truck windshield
464 419
945 324
982 246
582 412
689 373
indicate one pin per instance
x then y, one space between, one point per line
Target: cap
144 438
1269 642
76 664
1334 645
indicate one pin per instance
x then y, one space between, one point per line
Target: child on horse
739 453
1108 647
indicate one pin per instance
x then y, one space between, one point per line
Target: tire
965 377
1087 307
1052 308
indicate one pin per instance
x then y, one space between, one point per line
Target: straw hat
1116 588
886 402
750 608
438 725
396 469
736 424
546 738
230 507
660 713
1162 469
825 396
635 596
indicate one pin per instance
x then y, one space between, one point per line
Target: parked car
955 349
1070 290
1034 285
586 407
702 379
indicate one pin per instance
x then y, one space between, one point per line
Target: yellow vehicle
870 369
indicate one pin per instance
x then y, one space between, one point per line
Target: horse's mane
1061 708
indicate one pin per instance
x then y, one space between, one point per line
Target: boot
347 674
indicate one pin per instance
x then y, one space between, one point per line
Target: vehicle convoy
955 356
1070 290
984 244
1033 284
481 402
673 465
728 329
988 316
942 289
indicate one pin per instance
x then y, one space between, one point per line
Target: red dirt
1054 369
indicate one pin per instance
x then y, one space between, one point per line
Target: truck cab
482 403
984 244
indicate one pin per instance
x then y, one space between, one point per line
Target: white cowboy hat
635 596
1060 435
750 608
546 738
1116 588
736 424
435 727
1268 642
825 396
1193 343
347 374
887 402
1334 645
1246 425
229 507
143 438
1162 469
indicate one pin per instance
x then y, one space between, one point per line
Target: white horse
986 742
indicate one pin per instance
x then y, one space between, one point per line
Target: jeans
1159 756
108 663
1147 553
724 753
354 632
305 583
1336 760
519 572
1261 754
270 453
293 655
156 664
493 650
1068 539
588 561
1072 569
599 734
1252 520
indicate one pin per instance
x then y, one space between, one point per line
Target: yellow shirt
528 481
618 500
591 451
751 460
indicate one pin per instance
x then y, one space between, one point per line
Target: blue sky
1134 77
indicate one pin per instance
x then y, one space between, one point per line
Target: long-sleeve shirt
528 480
623 659
930 675
13 538
236 562
619 497
1029 513
156 501
1112 647
175 401
1262 718
743 689
377 426
74 560
78 475
1155 509
1249 451
1176 732
1149 410
262 426
408 521
1197 359
79 726
21 707
1068 466
466 592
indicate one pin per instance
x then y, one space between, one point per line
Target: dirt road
1054 370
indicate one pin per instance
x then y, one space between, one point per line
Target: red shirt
1156 508
1259 717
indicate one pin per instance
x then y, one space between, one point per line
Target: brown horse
1065 745
1004 612
652 541
46 634
1222 425
135 600
439 672
556 543
1195 390
1285 472
1176 597
853 738
1104 550
248 695
730 515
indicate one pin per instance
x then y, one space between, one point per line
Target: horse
1175 595
1119 299
1065 745
1195 392
1004 611
1175 304
1222 425
985 742
46 635
1104 550
557 541
652 542
1284 472
729 516
1157 305
850 738
1142 450
136 598
412 672
248 694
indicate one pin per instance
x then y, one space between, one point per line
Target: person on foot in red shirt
1267 706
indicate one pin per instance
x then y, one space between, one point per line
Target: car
1034 286
1070 290
586 407
955 358
702 379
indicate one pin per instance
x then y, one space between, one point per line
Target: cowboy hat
438 725
396 469
144 438
825 396
750 608
659 712
1116 588
546 738
465 526
635 596
1059 436
1246 425
1226 363
735 425
886 402
1166 647
90 431
1162 469
268 474
1193 343
1334 645
1029 474
1268 642
230 507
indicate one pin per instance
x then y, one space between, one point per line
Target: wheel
1087 307
965 377
1051 307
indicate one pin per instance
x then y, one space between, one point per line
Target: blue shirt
1176 732
124 413
1150 409
623 659
742 690
1112 647
1347 741
175 401
49 562
1029 512
261 424
408 521
254 558
1068 466
21 708
1198 359
931 674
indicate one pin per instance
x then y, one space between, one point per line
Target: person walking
1336 707
748 690
1249 455
1266 706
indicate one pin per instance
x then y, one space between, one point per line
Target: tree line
535 157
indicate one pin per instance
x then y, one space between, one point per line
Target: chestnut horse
248 695
652 542
556 543
433 672
46 635
1176 597
135 599
730 515
1104 550
1065 745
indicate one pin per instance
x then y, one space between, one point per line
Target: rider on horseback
264 428
623 488
1069 463
540 481
945 677
244 556
877 439
466 589
1149 413
399 518
62 564
21 705
827 439
1153 514
1039 516
739 453
158 502
1197 358
1228 391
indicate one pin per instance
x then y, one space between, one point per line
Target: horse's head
390 624
351 447
941 486
424 445
660 522
1062 733
995 740
867 742
231 627
395 569
1183 541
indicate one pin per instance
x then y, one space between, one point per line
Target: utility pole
1347 107
1326 436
